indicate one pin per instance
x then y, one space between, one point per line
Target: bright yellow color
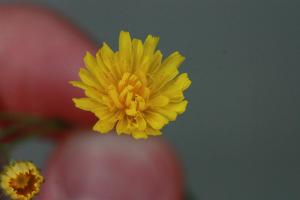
21 180
132 90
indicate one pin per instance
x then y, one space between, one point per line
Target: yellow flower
132 90
21 180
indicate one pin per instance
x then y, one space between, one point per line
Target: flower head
21 180
132 90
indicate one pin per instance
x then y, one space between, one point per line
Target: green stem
21 122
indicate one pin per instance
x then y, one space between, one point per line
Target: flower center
23 184
131 94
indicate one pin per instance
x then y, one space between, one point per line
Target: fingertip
114 167
40 53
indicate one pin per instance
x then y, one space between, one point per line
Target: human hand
39 53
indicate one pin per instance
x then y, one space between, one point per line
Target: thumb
109 167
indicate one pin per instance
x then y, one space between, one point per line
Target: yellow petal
141 123
145 93
102 111
125 46
80 85
174 89
106 70
104 126
177 97
149 48
142 76
155 120
162 78
156 62
150 45
141 103
175 60
168 71
128 98
159 101
96 71
94 94
178 107
137 49
88 79
123 82
107 57
111 116
91 63
132 109
87 104
170 114
153 132
184 81
122 126
139 135
106 54
113 93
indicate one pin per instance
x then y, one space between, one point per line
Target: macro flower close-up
134 89
21 180
149 100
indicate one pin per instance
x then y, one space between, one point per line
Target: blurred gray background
239 139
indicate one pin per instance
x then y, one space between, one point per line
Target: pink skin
113 168
39 53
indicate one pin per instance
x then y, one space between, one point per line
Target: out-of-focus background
239 138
